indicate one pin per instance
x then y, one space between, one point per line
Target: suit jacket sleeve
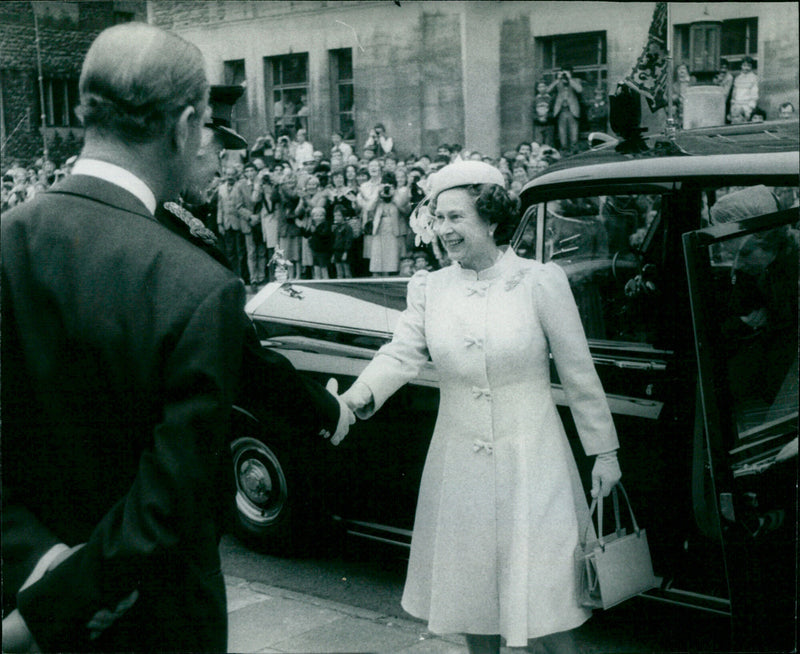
168 514
398 362
280 397
561 322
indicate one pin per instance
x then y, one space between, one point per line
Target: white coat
499 503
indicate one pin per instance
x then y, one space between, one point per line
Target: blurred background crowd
287 208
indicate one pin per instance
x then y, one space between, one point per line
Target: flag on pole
649 74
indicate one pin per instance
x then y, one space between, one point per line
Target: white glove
605 473
359 398
346 417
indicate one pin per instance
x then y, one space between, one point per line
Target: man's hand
605 473
346 416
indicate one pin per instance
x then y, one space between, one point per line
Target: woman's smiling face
464 234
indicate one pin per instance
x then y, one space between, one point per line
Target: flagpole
46 154
670 106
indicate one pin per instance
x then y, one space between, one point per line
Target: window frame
273 87
337 84
69 99
590 74
682 43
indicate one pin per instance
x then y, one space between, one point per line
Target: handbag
612 568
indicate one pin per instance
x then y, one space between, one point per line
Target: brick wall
63 41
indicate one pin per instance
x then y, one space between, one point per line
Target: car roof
765 149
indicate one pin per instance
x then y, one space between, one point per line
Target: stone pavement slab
273 620
269 619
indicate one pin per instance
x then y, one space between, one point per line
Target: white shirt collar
118 176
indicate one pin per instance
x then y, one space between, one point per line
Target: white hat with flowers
454 175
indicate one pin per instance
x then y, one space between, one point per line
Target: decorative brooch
513 281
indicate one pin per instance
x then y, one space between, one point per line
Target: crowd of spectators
21 183
287 209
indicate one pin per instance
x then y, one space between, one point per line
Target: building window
342 93
585 53
234 75
702 45
123 17
287 92
60 100
739 39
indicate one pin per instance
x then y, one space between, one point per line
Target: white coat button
471 341
477 289
479 445
479 393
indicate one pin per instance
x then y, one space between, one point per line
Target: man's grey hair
137 79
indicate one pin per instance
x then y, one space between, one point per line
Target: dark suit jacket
121 346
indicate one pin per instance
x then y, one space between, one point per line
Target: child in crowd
597 112
406 266
543 128
744 97
342 243
319 241
422 261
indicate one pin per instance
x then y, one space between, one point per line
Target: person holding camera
264 149
379 141
567 107
385 251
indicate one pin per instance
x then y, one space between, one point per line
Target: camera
562 75
387 192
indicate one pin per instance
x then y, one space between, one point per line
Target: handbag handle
597 503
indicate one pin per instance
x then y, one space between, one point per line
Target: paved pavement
269 619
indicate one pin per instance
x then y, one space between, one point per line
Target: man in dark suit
270 388
121 346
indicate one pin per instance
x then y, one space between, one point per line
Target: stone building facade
457 72
66 29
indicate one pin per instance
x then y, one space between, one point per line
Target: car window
600 241
731 203
755 279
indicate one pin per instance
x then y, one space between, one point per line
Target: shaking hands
355 401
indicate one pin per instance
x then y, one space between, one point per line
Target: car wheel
274 509
262 492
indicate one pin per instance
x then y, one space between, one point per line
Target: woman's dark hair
495 206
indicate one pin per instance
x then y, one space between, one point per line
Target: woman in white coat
499 503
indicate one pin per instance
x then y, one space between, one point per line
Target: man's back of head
143 99
136 78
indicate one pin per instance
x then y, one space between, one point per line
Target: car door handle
640 365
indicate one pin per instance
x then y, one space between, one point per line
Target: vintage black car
689 302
